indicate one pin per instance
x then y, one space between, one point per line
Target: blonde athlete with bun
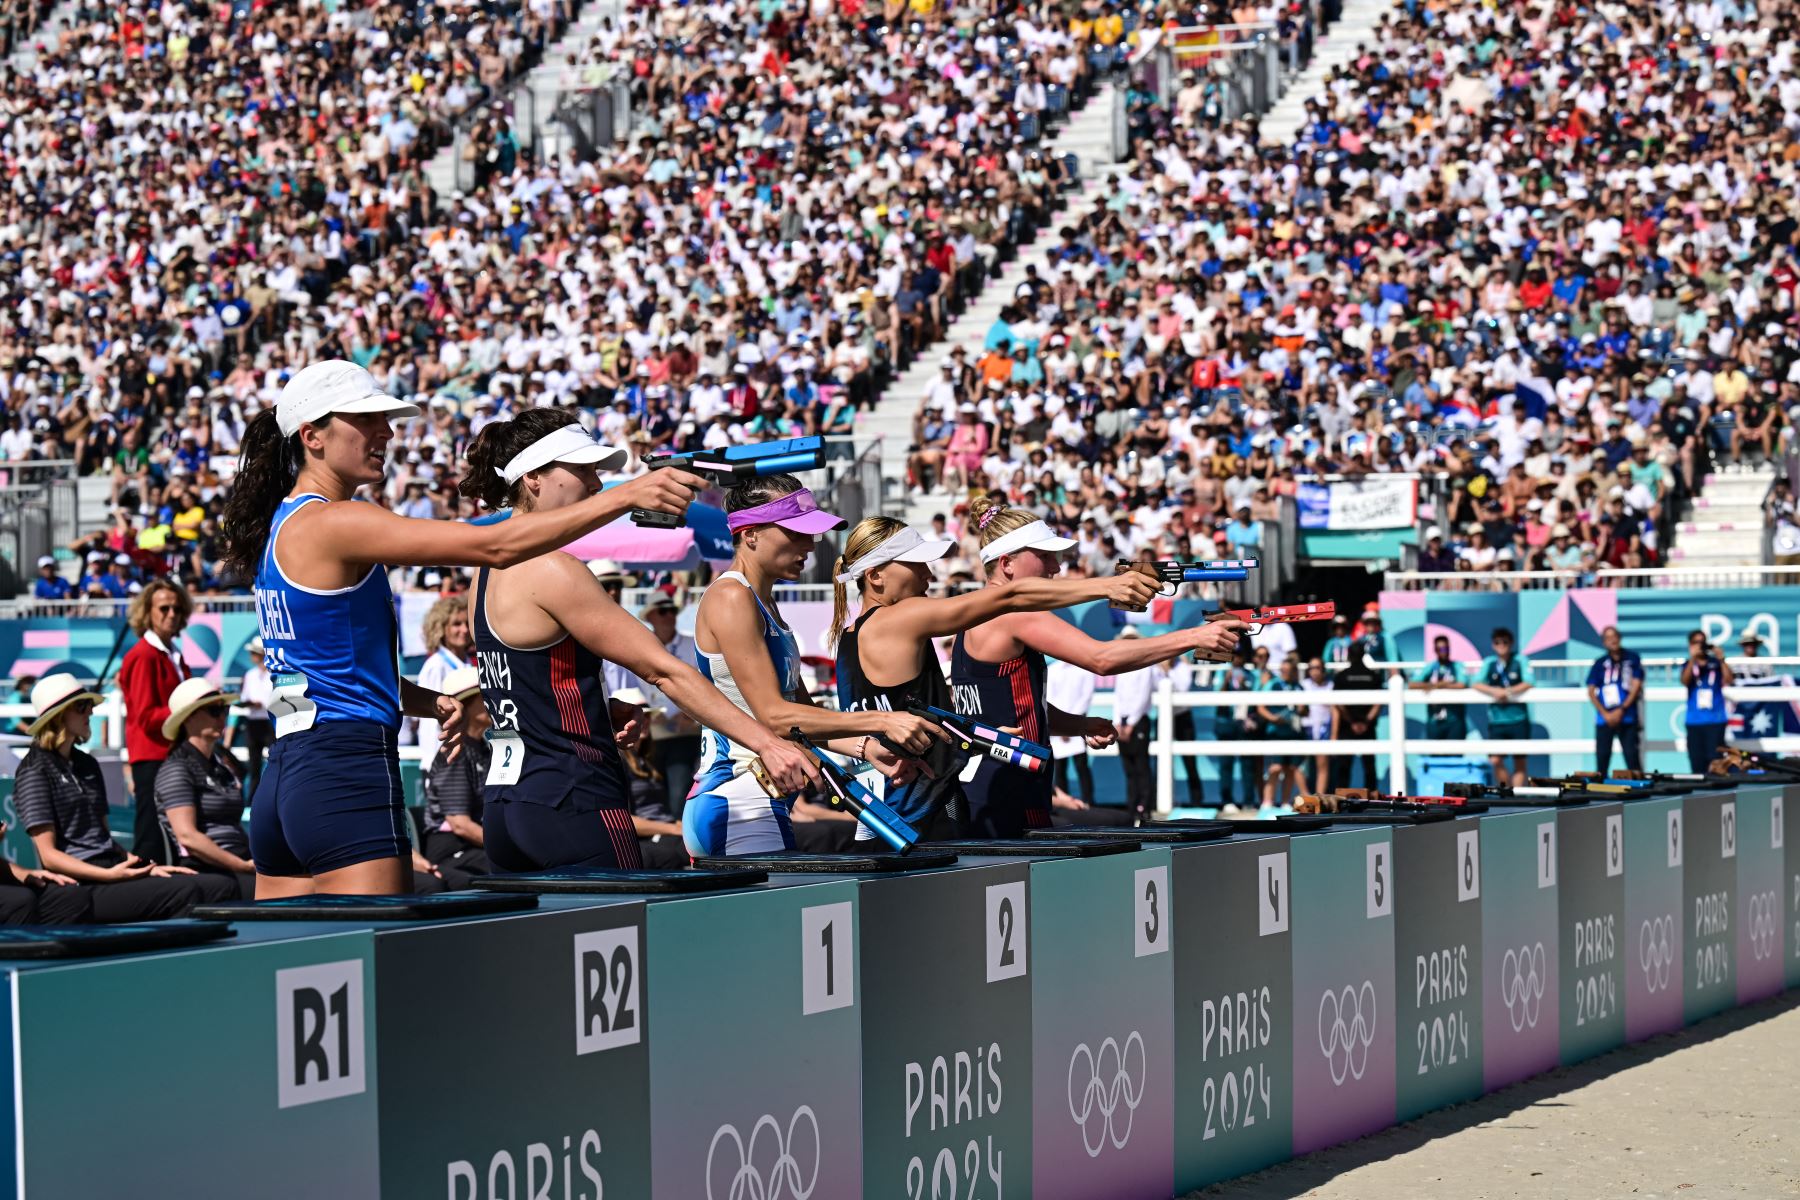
886 661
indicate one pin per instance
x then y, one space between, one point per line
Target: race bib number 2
289 705
507 758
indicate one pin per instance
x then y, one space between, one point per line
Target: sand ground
1708 1112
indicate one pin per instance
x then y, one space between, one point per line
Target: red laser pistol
1277 614
734 464
1174 572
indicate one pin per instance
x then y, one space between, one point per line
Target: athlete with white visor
751 655
556 793
327 815
886 661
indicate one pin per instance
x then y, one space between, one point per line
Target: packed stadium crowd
1544 255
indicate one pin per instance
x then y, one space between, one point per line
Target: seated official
61 798
200 787
658 832
453 838
42 897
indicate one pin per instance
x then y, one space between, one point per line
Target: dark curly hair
498 444
268 464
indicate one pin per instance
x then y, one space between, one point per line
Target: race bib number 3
507 758
289 706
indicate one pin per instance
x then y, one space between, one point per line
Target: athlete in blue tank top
886 661
556 793
997 670
751 655
327 813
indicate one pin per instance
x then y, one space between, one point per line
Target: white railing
1676 578
1656 667
1395 746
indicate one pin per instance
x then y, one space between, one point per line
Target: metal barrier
1676 578
1395 746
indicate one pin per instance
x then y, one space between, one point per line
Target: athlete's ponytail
268 464
869 533
498 443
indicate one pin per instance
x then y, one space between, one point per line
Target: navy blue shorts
329 798
521 836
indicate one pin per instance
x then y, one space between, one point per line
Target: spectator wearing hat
1337 646
453 843
1504 677
148 676
60 796
674 747
1750 647
1434 555
200 787
1615 684
49 585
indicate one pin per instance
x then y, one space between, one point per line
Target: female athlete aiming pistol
886 661
751 654
556 794
327 813
997 668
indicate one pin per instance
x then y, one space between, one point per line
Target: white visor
334 386
1035 536
570 444
909 545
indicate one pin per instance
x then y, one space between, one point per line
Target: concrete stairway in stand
1727 525
1354 27
1088 136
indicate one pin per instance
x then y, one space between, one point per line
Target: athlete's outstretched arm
367 534
564 588
1050 634
923 617
731 616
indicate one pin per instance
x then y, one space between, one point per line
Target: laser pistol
1277 614
734 464
976 738
872 811
1174 572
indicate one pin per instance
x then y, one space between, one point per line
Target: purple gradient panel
1344 1004
1652 937
1520 973
1761 920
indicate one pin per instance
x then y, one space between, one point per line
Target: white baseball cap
334 386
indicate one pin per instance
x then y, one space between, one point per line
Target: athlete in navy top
997 669
327 814
886 660
750 654
556 793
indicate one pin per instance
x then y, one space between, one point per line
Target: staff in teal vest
1706 675
1506 678
1445 722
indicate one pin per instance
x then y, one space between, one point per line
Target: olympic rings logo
1349 1030
782 1179
1656 951
1110 1084
1762 924
1522 985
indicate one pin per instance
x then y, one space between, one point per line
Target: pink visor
797 511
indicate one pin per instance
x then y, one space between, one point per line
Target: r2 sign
1380 882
